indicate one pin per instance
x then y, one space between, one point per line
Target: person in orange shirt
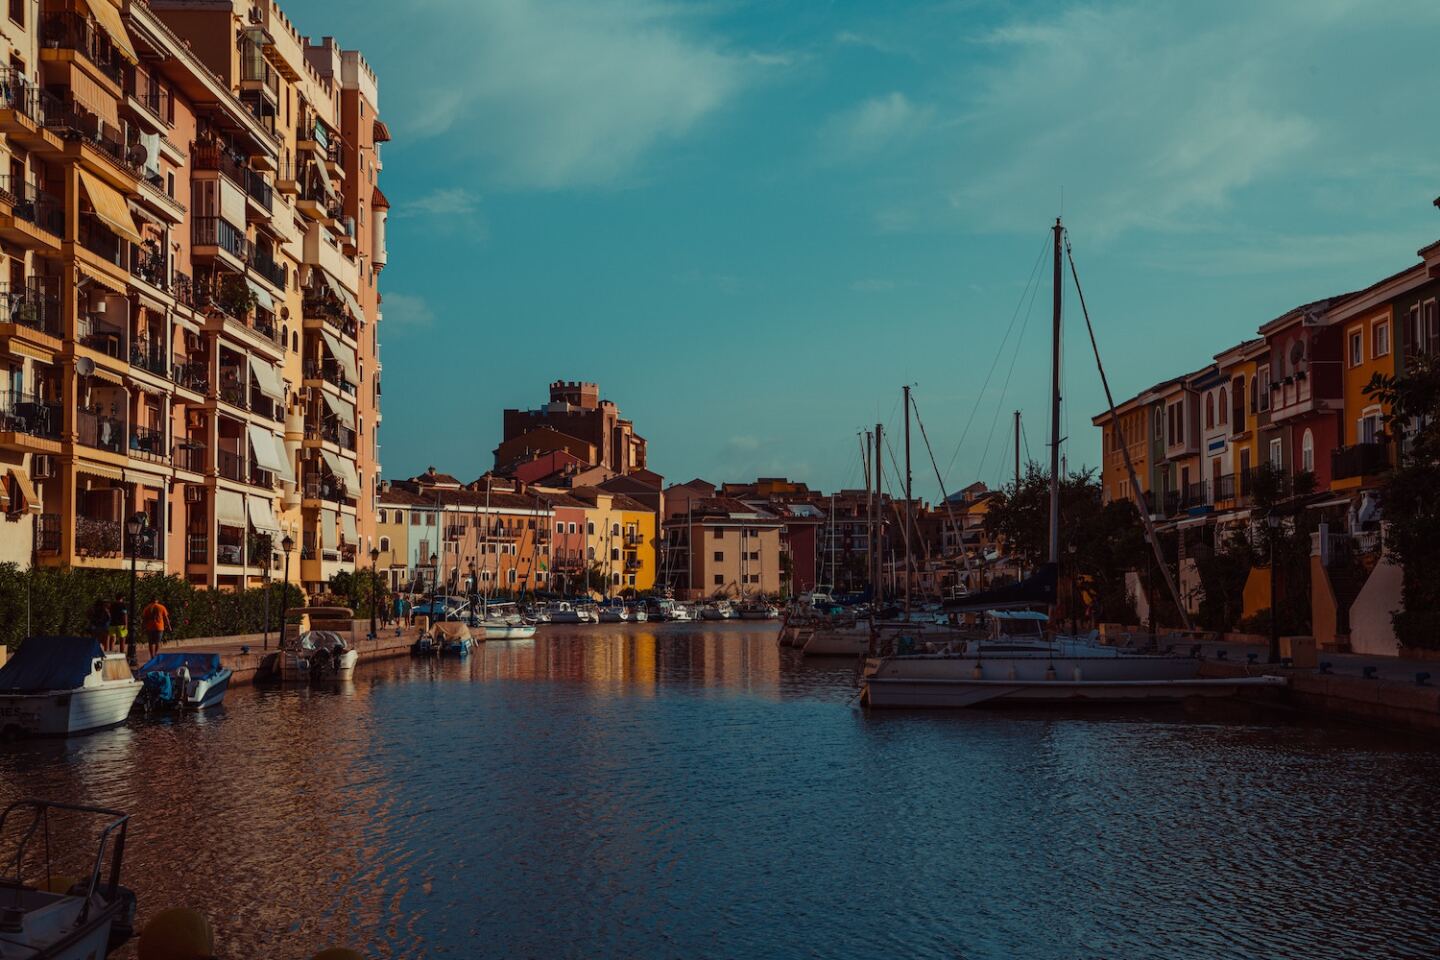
156 620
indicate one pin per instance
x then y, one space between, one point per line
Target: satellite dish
84 366
137 154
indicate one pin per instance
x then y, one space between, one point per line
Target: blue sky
751 222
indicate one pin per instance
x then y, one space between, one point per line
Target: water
692 791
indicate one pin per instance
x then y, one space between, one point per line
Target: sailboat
1018 661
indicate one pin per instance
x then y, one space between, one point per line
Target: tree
1412 509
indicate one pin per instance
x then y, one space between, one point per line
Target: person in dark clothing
119 621
99 623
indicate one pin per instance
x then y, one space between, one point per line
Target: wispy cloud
569 93
875 124
404 312
442 202
873 285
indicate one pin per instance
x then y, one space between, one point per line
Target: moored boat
317 655
56 686
181 680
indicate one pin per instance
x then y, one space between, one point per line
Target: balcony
231 466
278 274
330 372
232 553
192 376
1195 495
153 97
28 414
19 94
98 537
150 354
256 72
331 432
330 308
1359 460
233 391
215 156
1316 389
32 209
73 31
104 242
189 455
320 486
258 190
73 123
101 432
197 548
1225 487
223 235
152 266
31 305
148 443
260 477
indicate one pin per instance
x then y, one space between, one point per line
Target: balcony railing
189 455
234 392
276 273
148 354
73 31
29 414
230 553
47 533
152 266
329 371
260 477
1359 460
149 443
197 548
1195 495
230 465
35 206
216 156
320 486
192 376
30 305
254 68
1225 488
73 121
218 232
259 190
19 94
336 433
101 432
104 242
152 96
97 537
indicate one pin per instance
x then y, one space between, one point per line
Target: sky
752 222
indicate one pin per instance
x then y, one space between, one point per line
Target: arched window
1209 410
1307 452
384 544
1224 407
590 553
614 529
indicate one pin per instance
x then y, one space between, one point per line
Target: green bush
58 602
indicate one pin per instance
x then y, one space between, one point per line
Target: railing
30 305
149 355
1225 488
258 189
189 455
264 113
230 553
152 266
1195 495
184 289
192 376
150 545
332 432
234 392
218 232
216 156
74 122
276 273
197 548
254 68
260 477
95 537
230 465
1359 460
149 443
27 413
329 371
101 432
19 94
47 533
334 153
324 487
103 242
72 31
33 205
152 96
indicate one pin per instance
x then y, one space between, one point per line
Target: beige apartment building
720 546
192 229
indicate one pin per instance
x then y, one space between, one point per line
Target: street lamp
434 584
374 587
135 526
474 591
1071 548
1272 520
268 551
287 544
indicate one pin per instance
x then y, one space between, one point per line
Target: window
510 575
1357 348
719 556
17 11
590 528
615 579
379 516
614 553
1237 404
755 555
1277 455
614 529
719 533
559 527
719 580
1262 388
429 519
1159 425
384 544
1224 405
414 519
573 528
1307 452
589 553
1367 428
1380 339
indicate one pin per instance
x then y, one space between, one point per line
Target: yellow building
1237 367
1134 429
638 544
392 535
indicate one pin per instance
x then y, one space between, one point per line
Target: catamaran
1018 660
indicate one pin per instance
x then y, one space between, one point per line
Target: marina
590 759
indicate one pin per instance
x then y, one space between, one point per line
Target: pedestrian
119 621
155 619
400 610
99 623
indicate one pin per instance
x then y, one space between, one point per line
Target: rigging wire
944 497
1010 372
1000 352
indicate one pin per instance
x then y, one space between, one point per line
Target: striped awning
25 500
108 16
109 206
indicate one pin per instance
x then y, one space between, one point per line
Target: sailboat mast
879 513
1059 231
1017 451
869 513
909 507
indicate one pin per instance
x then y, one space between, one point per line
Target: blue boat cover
50 663
199 664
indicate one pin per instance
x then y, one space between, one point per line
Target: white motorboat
759 611
183 680
852 639
56 686
317 655
637 613
612 614
562 611
719 610
507 630
46 917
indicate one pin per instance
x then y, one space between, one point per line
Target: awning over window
286 472
347 527
230 509
343 355
108 17
232 204
262 296
262 517
327 526
262 443
341 291
343 469
341 410
268 378
109 206
23 499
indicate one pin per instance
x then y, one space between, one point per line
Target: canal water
659 791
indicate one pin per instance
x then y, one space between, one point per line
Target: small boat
610 613
562 611
56 686
183 681
317 655
46 916
637 613
453 639
719 610
424 645
759 610
506 630
681 613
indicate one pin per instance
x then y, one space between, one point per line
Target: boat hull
210 692
509 631
64 712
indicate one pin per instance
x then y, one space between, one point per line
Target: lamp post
474 591
268 551
135 526
1272 520
287 544
434 584
374 587
1071 548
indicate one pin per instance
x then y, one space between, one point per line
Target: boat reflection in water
662 790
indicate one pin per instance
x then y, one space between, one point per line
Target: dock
246 655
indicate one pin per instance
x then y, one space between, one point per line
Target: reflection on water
691 790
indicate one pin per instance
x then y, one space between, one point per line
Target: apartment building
720 546
190 221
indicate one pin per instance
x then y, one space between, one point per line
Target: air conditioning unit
194 494
42 466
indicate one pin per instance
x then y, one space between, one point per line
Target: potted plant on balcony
235 297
